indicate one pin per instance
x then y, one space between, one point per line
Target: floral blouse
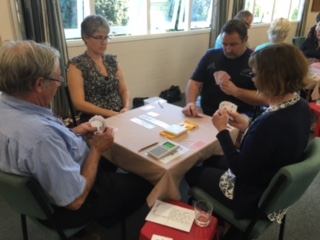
100 90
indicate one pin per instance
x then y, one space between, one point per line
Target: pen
147 146
160 104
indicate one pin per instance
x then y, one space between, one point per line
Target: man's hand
228 87
191 110
84 129
102 141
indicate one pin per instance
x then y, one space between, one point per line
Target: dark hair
318 18
235 26
280 69
94 23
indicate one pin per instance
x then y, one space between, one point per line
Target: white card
158 237
176 129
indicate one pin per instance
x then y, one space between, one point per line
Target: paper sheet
171 215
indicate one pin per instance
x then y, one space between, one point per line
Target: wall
153 65
311 21
6 20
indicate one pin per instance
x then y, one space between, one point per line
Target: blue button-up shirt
33 142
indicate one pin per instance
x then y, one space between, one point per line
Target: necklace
283 105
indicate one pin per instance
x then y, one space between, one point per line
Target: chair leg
282 226
317 130
123 229
24 227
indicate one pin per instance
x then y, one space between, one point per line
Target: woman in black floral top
96 81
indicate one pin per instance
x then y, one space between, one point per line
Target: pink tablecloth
131 136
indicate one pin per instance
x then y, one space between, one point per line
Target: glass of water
203 212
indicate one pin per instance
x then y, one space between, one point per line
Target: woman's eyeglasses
101 38
248 74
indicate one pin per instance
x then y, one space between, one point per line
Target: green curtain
302 23
219 17
41 21
238 5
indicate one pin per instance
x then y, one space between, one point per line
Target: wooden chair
70 105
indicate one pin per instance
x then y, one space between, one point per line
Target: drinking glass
203 212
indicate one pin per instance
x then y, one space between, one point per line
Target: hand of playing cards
229 106
221 76
98 122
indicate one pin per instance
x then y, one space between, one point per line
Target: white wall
153 65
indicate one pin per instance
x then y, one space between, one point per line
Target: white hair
278 30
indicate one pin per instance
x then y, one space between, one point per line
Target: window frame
73 35
273 2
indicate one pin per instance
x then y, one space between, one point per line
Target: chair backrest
70 104
291 181
298 40
25 195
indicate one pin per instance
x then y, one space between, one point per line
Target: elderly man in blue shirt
33 142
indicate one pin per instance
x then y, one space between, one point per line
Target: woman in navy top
275 139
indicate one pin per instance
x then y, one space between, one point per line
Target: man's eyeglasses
248 74
61 80
101 38
247 24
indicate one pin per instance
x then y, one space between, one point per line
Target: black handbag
138 102
173 94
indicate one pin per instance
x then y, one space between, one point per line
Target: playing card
229 106
98 122
221 76
215 75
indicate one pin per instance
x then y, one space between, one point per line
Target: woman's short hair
235 26
23 62
278 30
94 23
279 69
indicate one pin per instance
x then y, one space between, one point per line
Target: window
138 17
266 11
